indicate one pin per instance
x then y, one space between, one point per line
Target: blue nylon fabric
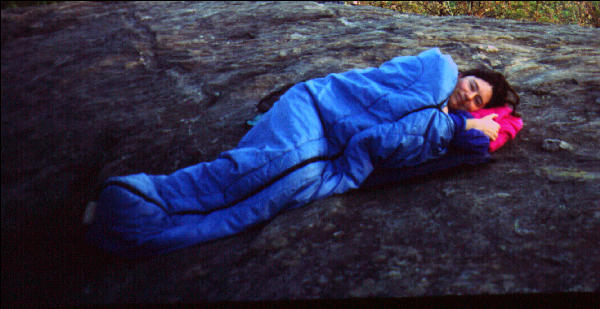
467 147
323 137
469 140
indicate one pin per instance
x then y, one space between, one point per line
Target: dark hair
502 92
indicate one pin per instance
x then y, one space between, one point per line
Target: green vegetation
583 13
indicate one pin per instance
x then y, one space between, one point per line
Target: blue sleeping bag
324 136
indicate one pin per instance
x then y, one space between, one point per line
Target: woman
323 137
488 123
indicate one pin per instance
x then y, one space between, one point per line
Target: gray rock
91 90
488 48
552 144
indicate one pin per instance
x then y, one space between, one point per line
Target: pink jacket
509 124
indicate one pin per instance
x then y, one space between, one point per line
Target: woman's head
480 88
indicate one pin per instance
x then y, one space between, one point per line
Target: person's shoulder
435 54
440 73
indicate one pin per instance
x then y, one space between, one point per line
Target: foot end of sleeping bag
123 222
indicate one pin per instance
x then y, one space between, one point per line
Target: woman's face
471 94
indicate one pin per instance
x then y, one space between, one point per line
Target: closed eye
475 88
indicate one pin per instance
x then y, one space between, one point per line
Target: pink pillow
509 124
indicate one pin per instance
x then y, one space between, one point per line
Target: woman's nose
471 95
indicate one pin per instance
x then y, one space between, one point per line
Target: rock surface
91 90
